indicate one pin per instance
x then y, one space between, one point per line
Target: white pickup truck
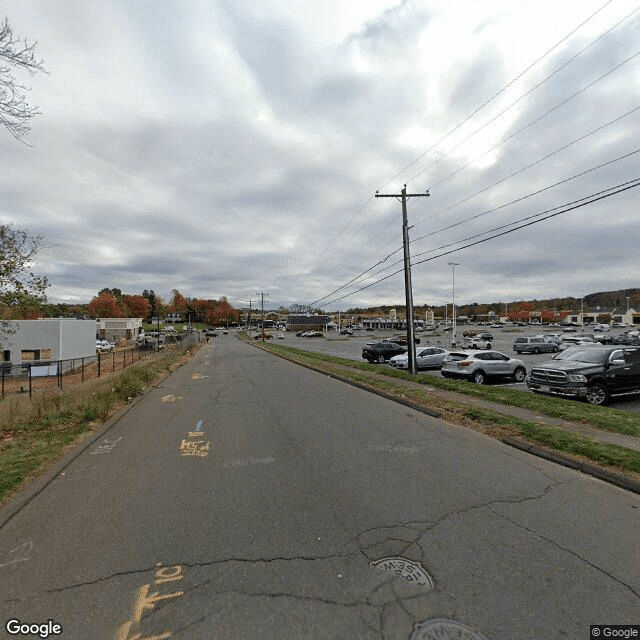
103 345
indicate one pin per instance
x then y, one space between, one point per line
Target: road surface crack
570 551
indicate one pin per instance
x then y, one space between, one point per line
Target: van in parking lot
535 344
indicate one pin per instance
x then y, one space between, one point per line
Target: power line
620 188
529 195
519 131
495 95
532 164
479 215
476 111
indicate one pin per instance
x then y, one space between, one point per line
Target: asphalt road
249 497
351 347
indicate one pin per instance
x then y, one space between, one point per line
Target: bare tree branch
15 111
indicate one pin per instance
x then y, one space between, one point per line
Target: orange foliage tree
105 306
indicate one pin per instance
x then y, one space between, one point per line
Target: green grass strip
34 432
615 420
561 440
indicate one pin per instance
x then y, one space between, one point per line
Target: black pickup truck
596 373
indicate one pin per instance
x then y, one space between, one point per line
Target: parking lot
351 347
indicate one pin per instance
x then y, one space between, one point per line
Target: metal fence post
99 362
30 366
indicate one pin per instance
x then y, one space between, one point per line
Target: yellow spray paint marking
198 376
146 601
195 448
171 398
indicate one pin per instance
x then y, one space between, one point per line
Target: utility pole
453 266
407 270
262 296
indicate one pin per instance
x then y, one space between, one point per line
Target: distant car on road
478 366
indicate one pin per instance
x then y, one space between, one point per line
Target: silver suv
477 366
535 344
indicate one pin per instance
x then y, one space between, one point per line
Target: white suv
477 366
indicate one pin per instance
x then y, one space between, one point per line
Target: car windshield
595 356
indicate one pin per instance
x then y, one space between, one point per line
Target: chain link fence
29 377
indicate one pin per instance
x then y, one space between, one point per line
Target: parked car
381 351
572 341
346 332
625 340
401 340
477 366
426 358
104 346
535 344
595 373
479 341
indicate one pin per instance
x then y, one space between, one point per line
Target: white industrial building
48 340
115 328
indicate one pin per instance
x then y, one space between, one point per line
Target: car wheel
381 359
597 394
488 346
445 375
556 349
478 377
474 346
519 374
536 350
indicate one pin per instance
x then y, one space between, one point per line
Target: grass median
36 432
492 422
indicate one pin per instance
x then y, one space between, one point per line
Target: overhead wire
479 215
620 188
523 96
548 112
464 121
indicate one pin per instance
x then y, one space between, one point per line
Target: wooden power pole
403 195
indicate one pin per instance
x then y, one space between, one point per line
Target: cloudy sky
228 147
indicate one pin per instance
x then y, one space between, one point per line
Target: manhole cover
443 629
407 569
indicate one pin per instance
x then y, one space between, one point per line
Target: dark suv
595 373
381 351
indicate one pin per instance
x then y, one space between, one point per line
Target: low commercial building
116 328
48 340
308 323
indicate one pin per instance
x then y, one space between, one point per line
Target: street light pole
453 266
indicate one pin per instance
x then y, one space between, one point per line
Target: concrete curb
612 477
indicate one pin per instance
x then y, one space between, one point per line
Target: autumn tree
105 306
135 306
178 302
15 54
22 292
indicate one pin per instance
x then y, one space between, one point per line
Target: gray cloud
226 148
